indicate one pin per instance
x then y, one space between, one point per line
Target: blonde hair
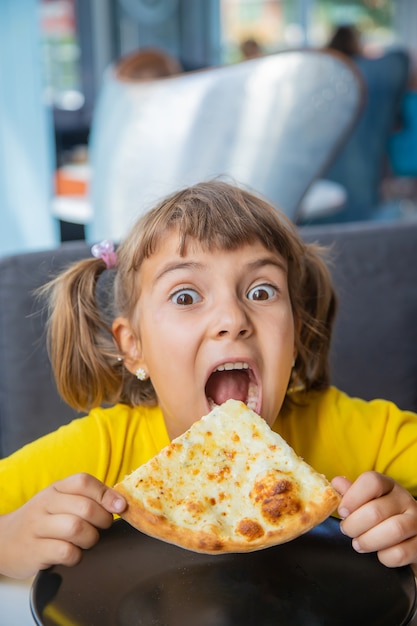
85 358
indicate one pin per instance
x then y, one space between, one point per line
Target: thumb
341 484
83 484
113 501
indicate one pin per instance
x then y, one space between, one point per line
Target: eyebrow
180 265
254 265
269 260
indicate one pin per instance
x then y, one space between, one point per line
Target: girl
215 296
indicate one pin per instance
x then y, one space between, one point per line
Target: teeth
212 404
232 366
252 399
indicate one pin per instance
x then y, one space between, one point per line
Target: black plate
129 579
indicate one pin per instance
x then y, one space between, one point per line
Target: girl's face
212 326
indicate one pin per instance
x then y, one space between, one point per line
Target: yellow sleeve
339 435
108 443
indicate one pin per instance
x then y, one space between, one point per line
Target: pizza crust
228 484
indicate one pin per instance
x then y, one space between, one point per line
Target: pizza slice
228 484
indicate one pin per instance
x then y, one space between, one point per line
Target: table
15 607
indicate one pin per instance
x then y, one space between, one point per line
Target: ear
129 344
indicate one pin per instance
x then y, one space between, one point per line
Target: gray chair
374 268
373 353
29 403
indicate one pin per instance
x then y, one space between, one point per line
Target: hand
56 525
380 516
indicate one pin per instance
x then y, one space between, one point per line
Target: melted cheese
229 475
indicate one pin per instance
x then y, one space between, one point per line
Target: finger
69 528
113 501
370 515
397 505
401 554
87 485
58 552
81 507
369 486
341 484
392 531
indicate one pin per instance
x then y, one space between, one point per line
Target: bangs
219 217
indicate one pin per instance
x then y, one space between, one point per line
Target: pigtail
317 311
83 354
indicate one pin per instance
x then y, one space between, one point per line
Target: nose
232 320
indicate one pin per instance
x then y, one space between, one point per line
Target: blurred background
55 54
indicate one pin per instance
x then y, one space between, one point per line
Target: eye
185 297
261 292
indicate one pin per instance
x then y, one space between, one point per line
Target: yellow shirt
336 434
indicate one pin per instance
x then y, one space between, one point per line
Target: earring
141 374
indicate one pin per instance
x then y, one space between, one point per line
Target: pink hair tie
105 251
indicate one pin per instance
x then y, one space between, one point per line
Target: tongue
226 385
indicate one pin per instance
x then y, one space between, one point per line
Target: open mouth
233 380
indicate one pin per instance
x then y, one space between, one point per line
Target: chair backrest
272 124
374 268
359 168
373 352
29 403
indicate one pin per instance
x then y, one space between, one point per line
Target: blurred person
250 49
147 64
346 39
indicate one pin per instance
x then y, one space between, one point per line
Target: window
61 55
281 24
